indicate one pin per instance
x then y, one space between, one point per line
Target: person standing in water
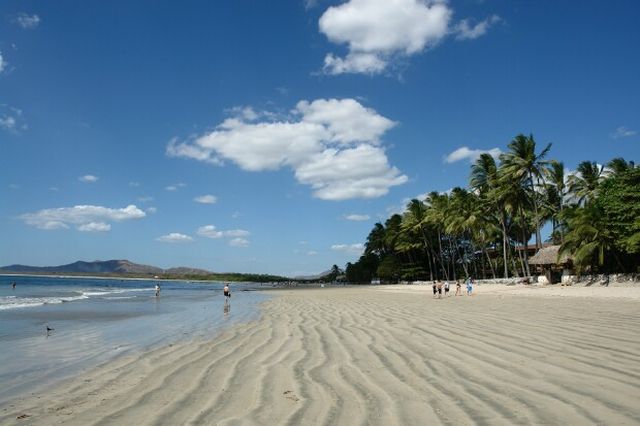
157 290
227 292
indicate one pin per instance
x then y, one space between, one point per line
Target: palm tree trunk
446 274
493 271
503 223
536 216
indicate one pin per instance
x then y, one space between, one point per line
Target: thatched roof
549 256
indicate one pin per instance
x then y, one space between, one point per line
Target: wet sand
379 355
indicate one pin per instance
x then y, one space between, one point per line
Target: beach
387 355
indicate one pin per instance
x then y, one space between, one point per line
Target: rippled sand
379 356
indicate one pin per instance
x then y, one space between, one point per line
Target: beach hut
547 263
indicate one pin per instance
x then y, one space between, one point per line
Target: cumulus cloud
333 145
210 231
174 237
88 178
357 248
206 199
95 227
378 32
375 31
357 217
466 31
623 132
239 242
466 153
11 119
175 187
27 21
85 217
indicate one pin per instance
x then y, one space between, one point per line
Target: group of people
439 287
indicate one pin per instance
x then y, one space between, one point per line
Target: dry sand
379 356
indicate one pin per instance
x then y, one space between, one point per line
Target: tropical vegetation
483 230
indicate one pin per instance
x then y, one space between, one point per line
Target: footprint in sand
290 395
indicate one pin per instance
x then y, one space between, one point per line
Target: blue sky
260 136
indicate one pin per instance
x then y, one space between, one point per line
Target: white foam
13 302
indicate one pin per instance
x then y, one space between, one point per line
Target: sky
270 136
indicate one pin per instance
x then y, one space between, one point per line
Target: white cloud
357 248
174 237
312 253
357 217
11 118
210 231
84 217
88 178
151 210
239 242
8 122
623 132
377 30
465 153
27 21
465 31
331 145
175 186
95 227
206 199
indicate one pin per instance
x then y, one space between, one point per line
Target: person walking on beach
458 288
157 290
435 289
446 288
439 289
469 286
227 292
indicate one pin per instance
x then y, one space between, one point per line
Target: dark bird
49 329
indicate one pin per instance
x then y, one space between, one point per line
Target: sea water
95 320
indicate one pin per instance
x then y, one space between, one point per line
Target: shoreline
380 355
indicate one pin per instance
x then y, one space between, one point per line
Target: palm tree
523 165
556 192
435 216
484 180
587 239
415 221
583 184
619 165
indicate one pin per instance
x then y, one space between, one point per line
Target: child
458 288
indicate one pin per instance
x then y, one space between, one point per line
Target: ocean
95 320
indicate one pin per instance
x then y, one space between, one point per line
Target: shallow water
94 320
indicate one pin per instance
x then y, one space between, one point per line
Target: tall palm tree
556 192
619 165
414 221
522 164
583 184
485 181
435 217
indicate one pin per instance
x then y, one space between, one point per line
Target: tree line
480 231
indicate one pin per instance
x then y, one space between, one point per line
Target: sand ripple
362 356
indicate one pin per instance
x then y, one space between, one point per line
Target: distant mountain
125 268
98 267
182 270
313 277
